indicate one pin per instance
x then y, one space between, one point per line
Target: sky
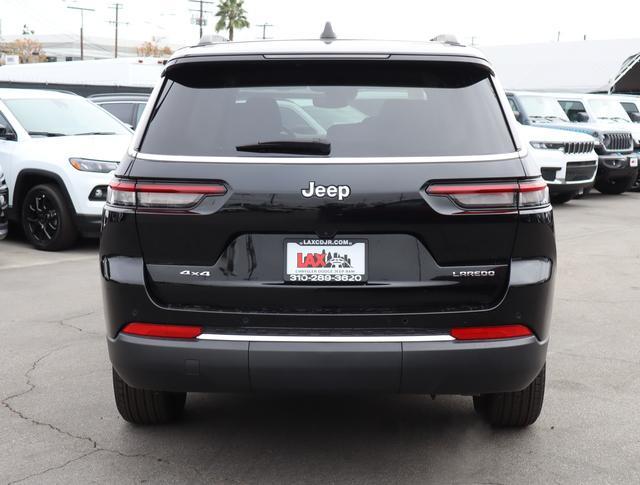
482 22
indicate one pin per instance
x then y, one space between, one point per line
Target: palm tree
232 16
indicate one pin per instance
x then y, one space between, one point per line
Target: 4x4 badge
340 192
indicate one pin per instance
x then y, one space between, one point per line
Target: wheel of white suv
141 406
614 186
46 219
513 409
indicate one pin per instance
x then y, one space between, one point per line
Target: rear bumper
407 367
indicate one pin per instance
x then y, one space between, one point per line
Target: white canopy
584 66
125 71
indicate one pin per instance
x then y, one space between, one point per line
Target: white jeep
58 151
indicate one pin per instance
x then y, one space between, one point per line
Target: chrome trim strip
326 339
327 161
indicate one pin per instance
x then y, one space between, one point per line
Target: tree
232 16
152 49
28 50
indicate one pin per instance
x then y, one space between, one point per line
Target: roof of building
16 93
584 66
129 71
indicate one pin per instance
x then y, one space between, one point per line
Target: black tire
615 186
563 198
513 409
140 406
46 219
635 186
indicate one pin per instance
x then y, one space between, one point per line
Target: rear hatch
300 187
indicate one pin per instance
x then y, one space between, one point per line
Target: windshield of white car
47 117
542 109
609 109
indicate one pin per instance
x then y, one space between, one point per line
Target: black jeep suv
328 216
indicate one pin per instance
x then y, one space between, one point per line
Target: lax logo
323 260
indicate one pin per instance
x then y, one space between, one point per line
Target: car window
122 111
542 109
63 117
630 107
138 114
408 109
4 122
573 109
609 109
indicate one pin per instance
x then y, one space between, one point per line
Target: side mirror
582 117
635 117
5 134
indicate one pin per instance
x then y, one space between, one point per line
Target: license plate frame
345 261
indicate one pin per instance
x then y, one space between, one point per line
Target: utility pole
558 39
200 20
116 22
82 11
264 29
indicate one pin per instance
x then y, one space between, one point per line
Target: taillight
162 331
160 195
490 333
494 197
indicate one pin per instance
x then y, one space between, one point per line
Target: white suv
57 151
567 160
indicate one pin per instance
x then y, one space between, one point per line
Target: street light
82 11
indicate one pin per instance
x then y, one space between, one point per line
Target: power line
264 29
201 11
82 11
116 22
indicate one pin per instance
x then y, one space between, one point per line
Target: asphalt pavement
59 424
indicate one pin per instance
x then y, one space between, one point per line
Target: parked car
4 204
631 105
58 152
617 162
127 107
567 160
411 250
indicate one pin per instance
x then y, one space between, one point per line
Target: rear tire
513 409
140 406
46 219
563 198
615 186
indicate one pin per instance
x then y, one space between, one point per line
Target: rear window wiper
46 133
288 147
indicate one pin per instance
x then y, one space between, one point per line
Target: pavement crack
31 386
93 443
64 322
50 469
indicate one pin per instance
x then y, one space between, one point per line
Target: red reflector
489 333
182 189
160 330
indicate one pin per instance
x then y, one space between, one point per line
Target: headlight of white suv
85 165
541 145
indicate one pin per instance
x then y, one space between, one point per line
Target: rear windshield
351 109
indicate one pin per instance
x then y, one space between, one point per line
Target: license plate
325 261
633 162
